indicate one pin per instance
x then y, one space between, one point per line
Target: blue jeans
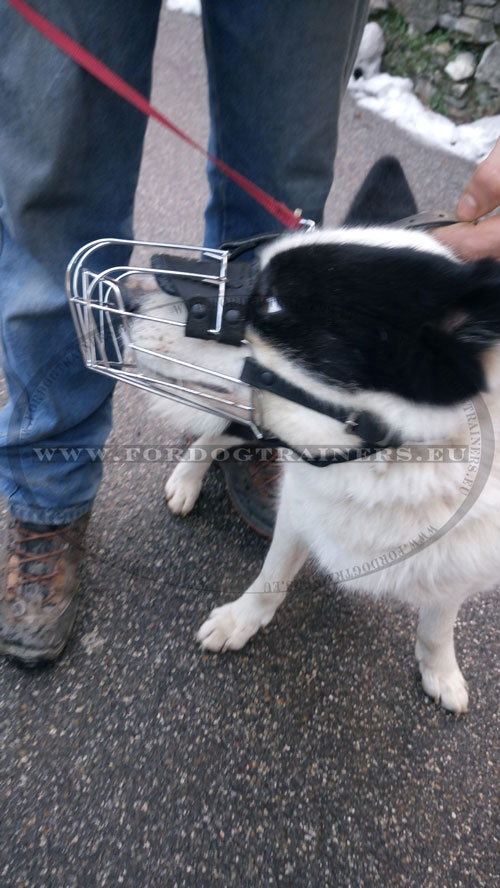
277 70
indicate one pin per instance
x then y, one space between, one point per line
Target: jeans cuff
34 515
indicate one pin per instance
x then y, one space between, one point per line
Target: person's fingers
482 193
472 241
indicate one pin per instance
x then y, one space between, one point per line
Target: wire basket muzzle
131 325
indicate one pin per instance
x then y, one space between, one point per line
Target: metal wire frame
103 326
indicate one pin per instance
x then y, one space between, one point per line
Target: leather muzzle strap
373 432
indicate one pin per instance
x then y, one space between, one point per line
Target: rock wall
477 25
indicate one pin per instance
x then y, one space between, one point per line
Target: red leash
101 72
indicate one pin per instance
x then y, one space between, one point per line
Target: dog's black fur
409 322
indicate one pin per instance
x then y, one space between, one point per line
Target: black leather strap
338 454
201 297
248 244
373 432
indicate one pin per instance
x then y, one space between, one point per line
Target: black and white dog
387 322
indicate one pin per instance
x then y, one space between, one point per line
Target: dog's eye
269 305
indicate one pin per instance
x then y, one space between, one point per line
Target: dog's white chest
398 532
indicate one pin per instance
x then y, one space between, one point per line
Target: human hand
481 196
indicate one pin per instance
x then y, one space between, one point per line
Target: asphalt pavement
312 757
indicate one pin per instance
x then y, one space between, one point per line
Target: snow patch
370 51
393 98
192 7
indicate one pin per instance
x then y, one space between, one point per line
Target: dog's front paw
183 488
228 627
450 690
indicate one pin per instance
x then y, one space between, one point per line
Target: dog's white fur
349 515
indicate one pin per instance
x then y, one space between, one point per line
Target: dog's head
379 318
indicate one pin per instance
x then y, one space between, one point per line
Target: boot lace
27 556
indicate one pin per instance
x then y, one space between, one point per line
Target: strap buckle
351 422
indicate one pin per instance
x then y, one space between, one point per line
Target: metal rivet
267 377
233 316
199 310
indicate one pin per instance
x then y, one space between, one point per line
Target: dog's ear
474 316
384 196
448 361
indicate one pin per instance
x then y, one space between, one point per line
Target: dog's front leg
435 652
184 484
230 626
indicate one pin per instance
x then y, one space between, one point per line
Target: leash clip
307 224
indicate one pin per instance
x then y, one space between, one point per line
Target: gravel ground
311 758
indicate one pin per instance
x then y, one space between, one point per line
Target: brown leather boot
38 597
